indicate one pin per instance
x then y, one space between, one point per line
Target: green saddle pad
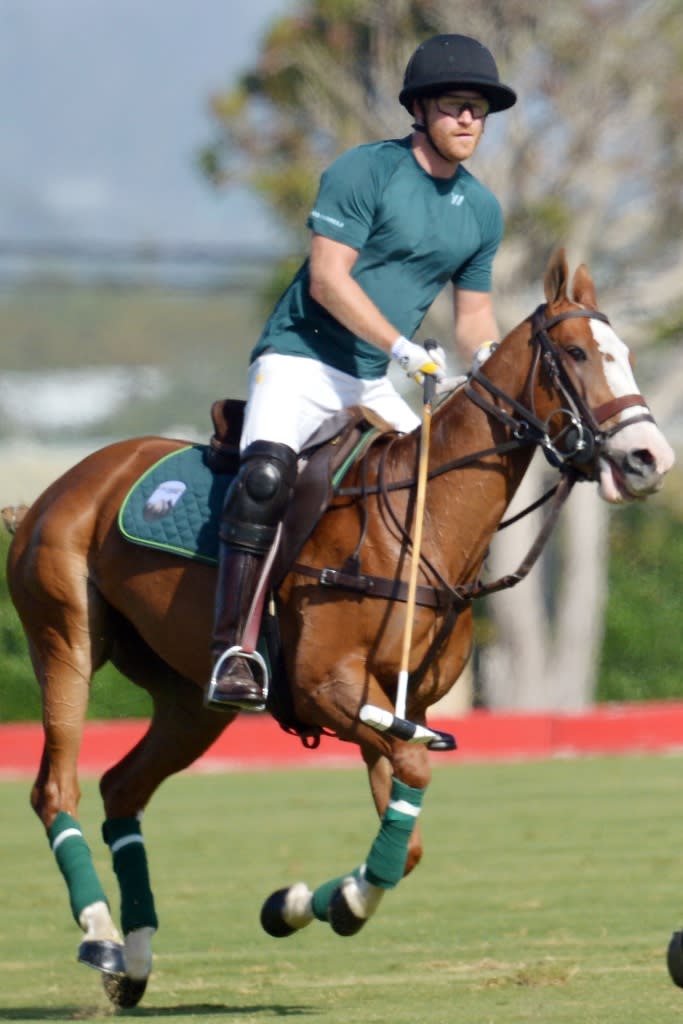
176 506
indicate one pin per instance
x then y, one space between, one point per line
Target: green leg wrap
124 838
388 853
387 857
323 894
74 860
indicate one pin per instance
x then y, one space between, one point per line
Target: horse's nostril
640 460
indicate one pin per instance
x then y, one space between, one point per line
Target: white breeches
290 396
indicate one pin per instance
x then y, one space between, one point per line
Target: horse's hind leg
101 946
180 731
59 630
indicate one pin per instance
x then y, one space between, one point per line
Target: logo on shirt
457 199
316 215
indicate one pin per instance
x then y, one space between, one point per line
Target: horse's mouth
617 485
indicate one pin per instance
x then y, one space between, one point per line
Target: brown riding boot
234 685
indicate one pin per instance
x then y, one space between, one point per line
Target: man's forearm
471 332
346 301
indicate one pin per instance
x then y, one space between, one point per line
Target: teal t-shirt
413 233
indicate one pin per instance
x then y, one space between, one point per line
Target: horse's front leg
348 902
380 776
398 778
359 896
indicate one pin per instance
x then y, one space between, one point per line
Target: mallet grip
384 721
429 386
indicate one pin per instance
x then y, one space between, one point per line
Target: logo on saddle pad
176 506
163 500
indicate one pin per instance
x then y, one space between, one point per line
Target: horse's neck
459 421
472 501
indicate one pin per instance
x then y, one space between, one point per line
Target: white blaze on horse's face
637 458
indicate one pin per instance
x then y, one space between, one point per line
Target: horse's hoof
103 955
674 958
123 991
272 920
342 919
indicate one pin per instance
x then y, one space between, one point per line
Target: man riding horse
392 223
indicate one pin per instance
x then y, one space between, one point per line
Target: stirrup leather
257 659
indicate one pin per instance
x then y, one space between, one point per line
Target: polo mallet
380 718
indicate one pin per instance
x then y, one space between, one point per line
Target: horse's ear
583 287
556 277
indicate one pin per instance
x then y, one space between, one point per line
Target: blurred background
159 162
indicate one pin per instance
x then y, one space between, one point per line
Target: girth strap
376 586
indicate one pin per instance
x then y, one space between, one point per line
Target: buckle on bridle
328 577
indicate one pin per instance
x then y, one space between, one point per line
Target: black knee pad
258 496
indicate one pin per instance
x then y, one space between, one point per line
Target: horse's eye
577 354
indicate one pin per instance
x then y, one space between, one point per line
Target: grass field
548 893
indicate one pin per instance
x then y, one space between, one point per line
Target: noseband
581 439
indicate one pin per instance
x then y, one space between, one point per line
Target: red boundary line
256 742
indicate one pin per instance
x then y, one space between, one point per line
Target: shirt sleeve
347 199
476 274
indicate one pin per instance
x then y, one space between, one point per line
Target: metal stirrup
253 656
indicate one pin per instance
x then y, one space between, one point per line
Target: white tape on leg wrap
362 896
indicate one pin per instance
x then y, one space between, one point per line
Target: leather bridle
581 438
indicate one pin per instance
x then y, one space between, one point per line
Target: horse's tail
12 516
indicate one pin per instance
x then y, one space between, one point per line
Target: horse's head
586 394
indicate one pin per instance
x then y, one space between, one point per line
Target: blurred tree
591 154
326 79
591 157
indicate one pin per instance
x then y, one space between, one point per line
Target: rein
583 437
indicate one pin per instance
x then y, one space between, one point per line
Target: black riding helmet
454 62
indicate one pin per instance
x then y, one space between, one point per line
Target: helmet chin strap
425 131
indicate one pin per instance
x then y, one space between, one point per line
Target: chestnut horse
561 380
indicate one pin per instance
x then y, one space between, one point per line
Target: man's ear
418 111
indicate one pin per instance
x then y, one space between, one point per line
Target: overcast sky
103 107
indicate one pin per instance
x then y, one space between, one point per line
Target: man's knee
259 495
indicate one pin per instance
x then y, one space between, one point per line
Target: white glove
417 361
486 349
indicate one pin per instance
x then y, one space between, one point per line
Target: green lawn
548 893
